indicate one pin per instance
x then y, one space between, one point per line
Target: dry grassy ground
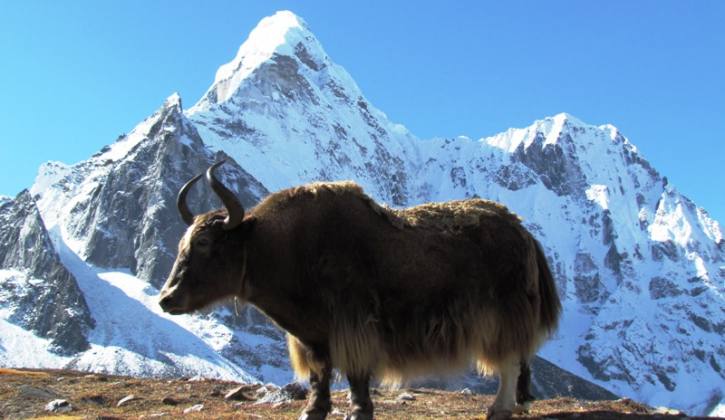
25 393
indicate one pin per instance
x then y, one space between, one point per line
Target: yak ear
245 228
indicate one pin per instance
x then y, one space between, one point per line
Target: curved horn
235 210
186 215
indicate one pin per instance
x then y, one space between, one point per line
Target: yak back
449 216
454 216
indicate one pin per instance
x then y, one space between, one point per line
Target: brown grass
96 396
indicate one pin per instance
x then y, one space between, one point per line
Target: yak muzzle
171 303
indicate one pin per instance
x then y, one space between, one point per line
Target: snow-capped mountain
114 225
37 293
283 107
640 268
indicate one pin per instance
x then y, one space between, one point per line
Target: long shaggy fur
447 330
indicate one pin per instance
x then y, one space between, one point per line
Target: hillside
25 393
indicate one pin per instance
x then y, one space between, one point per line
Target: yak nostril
165 302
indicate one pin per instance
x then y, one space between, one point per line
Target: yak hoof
313 415
522 408
498 414
359 415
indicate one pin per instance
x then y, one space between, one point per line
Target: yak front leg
319 403
362 405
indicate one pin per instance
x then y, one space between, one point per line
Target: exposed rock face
549 381
587 282
40 293
556 164
124 209
660 287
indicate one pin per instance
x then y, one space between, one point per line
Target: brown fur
486 318
393 293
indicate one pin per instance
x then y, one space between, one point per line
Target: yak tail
550 306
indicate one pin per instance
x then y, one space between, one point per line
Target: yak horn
186 215
235 210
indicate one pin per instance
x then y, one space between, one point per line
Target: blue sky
75 75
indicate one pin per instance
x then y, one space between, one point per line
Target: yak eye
203 242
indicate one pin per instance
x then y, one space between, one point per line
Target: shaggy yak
371 291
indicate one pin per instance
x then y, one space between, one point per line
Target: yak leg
362 405
503 405
523 387
319 403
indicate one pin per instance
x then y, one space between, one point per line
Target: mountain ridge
620 239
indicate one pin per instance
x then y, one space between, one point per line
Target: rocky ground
36 393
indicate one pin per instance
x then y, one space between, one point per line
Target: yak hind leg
316 360
362 405
523 388
503 405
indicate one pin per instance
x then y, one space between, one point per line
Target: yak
373 292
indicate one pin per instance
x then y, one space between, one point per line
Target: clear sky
76 74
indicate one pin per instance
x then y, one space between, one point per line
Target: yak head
211 261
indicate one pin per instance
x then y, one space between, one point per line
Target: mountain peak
565 117
173 101
281 21
283 33
551 129
273 34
